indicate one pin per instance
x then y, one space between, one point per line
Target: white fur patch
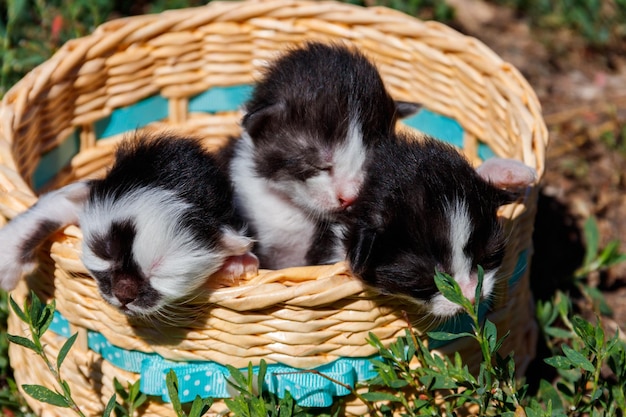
284 229
175 263
348 162
459 234
461 265
61 206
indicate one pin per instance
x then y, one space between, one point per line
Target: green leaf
479 289
490 333
546 313
22 341
578 359
46 395
286 405
109 407
171 381
557 332
240 381
598 300
20 313
592 239
45 320
595 396
445 336
398 384
65 350
238 406
501 341
380 396
610 255
450 289
550 395
584 330
120 390
15 10
66 388
258 407
435 382
200 406
563 305
35 309
261 375
559 362
133 391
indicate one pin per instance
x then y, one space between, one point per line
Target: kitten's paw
241 266
507 174
237 267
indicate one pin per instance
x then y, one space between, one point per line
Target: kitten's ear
360 248
256 121
511 177
406 108
507 173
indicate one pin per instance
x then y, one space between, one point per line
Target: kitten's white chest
284 232
282 229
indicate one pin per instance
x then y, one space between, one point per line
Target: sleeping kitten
308 132
423 208
154 228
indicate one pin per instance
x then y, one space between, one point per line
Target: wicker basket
190 70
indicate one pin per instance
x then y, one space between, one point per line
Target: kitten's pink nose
345 201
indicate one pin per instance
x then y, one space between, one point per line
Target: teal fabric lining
209 379
127 119
438 126
220 99
54 160
214 100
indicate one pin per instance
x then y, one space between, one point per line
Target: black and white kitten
422 208
154 228
308 131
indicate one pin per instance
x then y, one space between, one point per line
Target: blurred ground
583 93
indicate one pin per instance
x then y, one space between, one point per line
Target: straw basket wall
190 70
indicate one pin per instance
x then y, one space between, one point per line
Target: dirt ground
583 94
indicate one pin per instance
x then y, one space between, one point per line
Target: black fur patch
42 232
303 105
180 165
401 232
124 280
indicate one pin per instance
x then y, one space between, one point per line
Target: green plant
443 383
199 405
130 396
33 30
425 9
38 317
253 400
598 21
596 260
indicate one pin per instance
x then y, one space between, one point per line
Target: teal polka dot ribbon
209 379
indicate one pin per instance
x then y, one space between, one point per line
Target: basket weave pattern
301 317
